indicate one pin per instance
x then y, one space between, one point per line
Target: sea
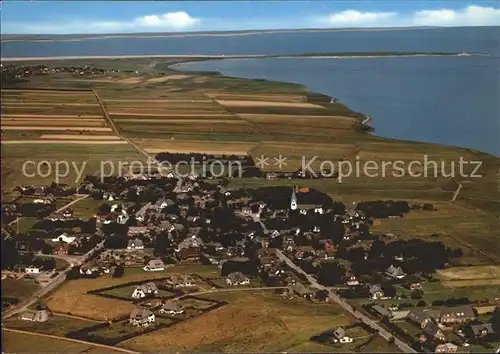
452 100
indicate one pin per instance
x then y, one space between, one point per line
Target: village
149 224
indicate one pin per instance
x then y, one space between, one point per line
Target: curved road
335 297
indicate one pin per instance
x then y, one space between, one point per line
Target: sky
99 17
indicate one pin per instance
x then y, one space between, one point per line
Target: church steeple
293 200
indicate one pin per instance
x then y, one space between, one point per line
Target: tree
49 264
331 274
74 273
389 289
119 271
495 322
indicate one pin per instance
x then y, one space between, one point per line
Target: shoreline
76 38
236 56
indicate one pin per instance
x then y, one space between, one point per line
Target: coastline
237 56
204 34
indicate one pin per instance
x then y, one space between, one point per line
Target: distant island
77 37
198 57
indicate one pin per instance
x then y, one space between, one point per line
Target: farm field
163 110
13 342
256 322
72 297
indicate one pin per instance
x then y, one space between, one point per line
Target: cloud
469 16
174 20
358 18
183 21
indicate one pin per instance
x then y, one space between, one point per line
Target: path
70 340
211 291
455 195
115 129
336 298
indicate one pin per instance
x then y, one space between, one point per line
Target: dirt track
48 116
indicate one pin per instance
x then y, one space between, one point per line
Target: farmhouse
482 330
145 289
431 329
172 308
446 348
302 290
237 278
141 317
376 292
180 281
459 314
395 272
39 315
155 265
339 336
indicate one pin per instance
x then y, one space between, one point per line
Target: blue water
449 100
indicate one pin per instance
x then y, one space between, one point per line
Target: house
135 244
189 254
237 278
302 251
64 237
376 292
191 241
458 314
155 265
172 308
141 317
39 315
61 250
482 330
422 316
351 280
144 290
180 281
339 336
395 272
415 286
446 348
32 270
431 329
382 311
136 230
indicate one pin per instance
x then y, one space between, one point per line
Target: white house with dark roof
141 317
155 265
172 308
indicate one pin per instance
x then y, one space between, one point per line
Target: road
54 283
336 298
64 207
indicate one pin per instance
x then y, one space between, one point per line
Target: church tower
293 201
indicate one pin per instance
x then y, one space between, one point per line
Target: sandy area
166 121
53 122
166 78
83 142
16 127
130 80
477 272
79 137
237 103
187 146
26 120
